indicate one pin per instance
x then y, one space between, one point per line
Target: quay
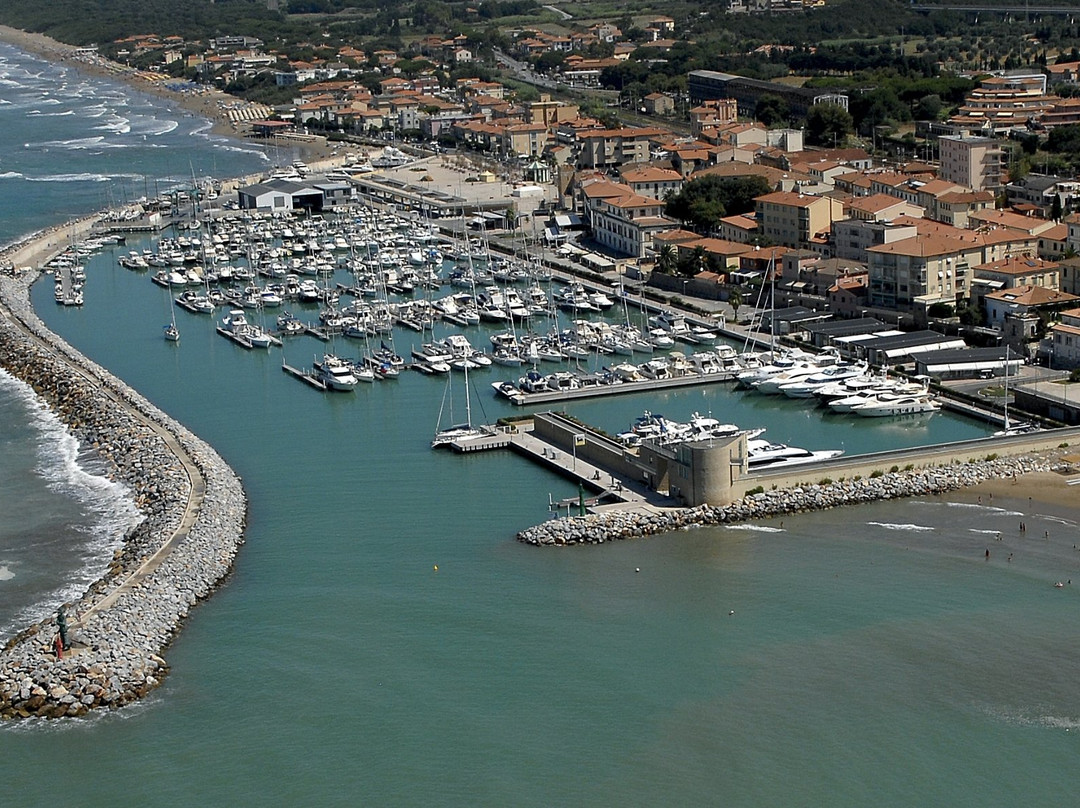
583 468
596 388
714 472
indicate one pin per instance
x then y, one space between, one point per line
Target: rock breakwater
193 507
614 525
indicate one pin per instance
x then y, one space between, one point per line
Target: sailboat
458 432
1020 427
171 332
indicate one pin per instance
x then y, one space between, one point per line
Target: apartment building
974 162
796 220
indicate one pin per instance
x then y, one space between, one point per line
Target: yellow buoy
436 568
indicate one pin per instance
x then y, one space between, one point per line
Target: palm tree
735 300
665 260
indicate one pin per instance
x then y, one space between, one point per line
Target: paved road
560 12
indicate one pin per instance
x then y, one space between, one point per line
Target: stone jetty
629 524
193 512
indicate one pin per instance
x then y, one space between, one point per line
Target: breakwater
193 507
628 524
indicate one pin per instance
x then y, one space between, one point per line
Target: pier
609 486
68 292
592 388
305 376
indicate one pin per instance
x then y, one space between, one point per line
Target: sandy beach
1049 488
207 102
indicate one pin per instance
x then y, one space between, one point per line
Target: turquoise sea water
873 658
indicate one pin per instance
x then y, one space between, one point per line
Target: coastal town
696 194
873 278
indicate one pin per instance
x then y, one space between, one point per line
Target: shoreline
1033 474
193 510
209 103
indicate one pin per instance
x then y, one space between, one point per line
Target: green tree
702 202
771 110
928 108
666 260
735 301
828 125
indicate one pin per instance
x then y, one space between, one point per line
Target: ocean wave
75 144
896 526
757 528
1033 718
156 127
73 474
237 149
37 113
980 530
10 175
116 124
975 505
70 178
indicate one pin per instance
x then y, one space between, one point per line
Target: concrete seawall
852 481
193 508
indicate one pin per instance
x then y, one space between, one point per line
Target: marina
757 643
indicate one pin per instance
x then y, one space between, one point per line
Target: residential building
882 208
851 238
626 224
651 180
742 229
795 219
1001 103
1065 339
974 162
1019 270
1025 300
1040 191
658 104
611 148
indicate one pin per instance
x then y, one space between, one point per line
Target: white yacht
891 404
805 388
761 454
335 373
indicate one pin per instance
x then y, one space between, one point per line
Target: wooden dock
242 341
306 377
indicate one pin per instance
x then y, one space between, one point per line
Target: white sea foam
896 526
988 532
115 123
5 573
977 506
37 113
1034 717
75 144
108 504
156 127
10 175
84 177
757 528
